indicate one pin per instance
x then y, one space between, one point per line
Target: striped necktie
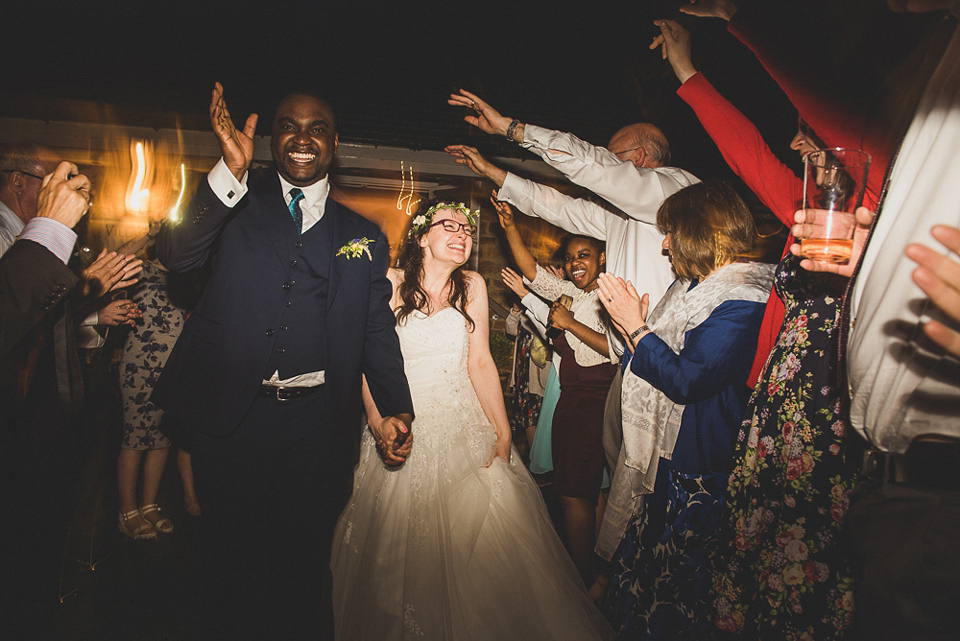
296 195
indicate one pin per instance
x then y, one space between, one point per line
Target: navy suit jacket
217 366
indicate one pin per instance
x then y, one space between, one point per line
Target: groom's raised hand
236 146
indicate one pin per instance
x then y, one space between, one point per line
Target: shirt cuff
225 185
52 234
509 190
535 137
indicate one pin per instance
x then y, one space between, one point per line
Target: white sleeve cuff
225 185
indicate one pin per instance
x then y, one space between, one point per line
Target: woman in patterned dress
144 354
782 570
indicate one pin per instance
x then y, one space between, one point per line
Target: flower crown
424 220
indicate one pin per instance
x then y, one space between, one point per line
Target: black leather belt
926 464
286 393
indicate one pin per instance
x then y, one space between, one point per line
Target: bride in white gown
456 543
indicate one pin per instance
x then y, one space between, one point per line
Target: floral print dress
782 571
145 353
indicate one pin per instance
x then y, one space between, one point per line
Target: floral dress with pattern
145 353
782 571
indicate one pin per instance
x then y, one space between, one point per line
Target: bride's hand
386 434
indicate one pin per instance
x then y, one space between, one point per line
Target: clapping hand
236 146
487 119
119 312
514 281
108 272
627 309
938 275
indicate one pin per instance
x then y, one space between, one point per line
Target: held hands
487 119
626 307
237 146
804 227
62 197
119 312
394 440
938 276
723 9
675 42
514 281
108 272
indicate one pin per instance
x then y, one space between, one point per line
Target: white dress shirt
633 243
901 384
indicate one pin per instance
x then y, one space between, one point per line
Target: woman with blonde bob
684 394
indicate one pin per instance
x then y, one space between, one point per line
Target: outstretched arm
480 366
469 156
938 275
487 119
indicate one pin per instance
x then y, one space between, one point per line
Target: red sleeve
834 116
743 148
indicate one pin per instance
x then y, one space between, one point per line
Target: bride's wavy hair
410 261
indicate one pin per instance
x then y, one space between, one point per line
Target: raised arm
481 368
736 137
186 245
637 191
521 255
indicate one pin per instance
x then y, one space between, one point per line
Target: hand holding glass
833 184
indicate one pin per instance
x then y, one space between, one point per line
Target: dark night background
388 66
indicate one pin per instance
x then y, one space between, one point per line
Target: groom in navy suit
266 377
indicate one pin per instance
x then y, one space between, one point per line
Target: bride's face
450 237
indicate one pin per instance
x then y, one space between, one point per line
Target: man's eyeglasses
619 154
454 226
25 173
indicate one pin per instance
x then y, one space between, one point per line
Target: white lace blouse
585 308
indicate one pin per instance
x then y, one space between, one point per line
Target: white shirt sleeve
225 185
574 215
637 191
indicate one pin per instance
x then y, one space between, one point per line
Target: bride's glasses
454 226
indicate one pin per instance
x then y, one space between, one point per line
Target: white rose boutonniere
357 248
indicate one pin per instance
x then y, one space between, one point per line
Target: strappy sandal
162 524
144 531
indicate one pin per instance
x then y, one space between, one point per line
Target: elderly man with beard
266 377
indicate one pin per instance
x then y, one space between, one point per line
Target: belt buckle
875 465
280 398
